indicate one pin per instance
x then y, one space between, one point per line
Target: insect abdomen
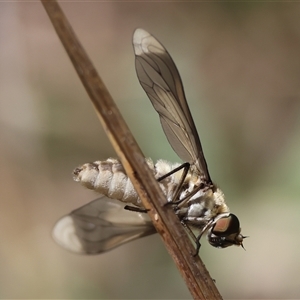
108 178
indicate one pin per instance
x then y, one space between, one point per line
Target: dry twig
166 222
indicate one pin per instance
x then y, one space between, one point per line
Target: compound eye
226 226
225 232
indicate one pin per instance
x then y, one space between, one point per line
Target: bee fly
200 205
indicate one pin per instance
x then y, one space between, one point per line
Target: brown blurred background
240 64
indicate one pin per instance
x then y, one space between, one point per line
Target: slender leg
183 201
196 239
186 167
136 209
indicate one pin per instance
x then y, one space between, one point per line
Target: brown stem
166 222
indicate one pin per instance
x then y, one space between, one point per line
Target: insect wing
161 81
99 226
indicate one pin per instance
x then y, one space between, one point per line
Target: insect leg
195 238
197 241
183 201
198 245
185 167
136 209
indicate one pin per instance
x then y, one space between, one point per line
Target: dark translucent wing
99 226
161 81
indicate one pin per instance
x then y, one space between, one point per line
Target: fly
104 224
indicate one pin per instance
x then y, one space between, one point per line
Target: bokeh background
240 64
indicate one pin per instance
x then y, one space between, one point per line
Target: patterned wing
161 81
99 226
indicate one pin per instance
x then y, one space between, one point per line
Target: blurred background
240 65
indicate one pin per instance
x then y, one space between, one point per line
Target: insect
200 205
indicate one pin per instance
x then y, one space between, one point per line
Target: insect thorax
203 207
